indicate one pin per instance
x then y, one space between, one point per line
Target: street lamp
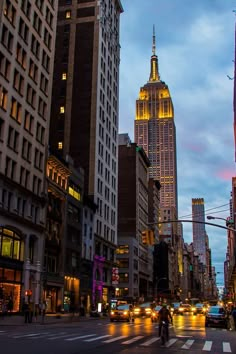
228 220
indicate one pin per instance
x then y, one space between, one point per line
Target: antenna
154 41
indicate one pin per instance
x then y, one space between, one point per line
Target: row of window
16 108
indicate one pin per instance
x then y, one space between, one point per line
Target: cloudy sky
195 48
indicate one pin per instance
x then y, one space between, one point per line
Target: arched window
11 244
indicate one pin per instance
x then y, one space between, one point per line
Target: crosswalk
177 342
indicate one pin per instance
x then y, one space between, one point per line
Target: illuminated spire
154 75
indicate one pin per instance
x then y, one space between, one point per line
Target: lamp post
228 221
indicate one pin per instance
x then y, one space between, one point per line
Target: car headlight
148 310
125 312
193 308
112 312
180 309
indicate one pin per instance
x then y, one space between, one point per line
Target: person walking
26 311
164 316
233 314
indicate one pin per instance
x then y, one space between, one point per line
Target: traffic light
148 237
151 238
145 237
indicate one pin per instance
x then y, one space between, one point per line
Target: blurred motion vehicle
216 316
122 313
186 308
144 309
201 309
174 307
155 313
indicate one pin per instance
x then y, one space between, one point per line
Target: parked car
216 316
121 313
201 308
155 313
186 308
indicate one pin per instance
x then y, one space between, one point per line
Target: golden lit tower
155 132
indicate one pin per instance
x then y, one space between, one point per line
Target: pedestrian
10 306
26 311
233 314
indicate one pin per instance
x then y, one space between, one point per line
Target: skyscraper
199 231
27 42
155 132
84 116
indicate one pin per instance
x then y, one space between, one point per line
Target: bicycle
164 330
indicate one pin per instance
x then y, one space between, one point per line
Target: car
174 307
121 313
216 316
144 309
201 308
186 308
155 313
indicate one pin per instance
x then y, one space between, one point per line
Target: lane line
207 346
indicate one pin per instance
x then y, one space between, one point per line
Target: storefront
11 269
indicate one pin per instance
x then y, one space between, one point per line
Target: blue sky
195 48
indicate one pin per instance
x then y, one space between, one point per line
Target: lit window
64 76
60 145
62 109
68 14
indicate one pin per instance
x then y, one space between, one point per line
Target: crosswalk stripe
29 335
132 340
114 339
207 346
171 342
226 347
97 338
150 341
80 337
188 344
63 336
48 335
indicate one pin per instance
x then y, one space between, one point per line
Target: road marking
170 342
188 344
97 338
226 347
47 335
132 340
80 337
29 335
207 346
63 336
150 341
114 339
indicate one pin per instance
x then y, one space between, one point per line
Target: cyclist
165 315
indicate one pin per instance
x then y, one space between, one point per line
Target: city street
188 334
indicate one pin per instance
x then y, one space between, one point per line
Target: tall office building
200 238
84 115
155 132
27 41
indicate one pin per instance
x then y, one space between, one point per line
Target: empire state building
155 132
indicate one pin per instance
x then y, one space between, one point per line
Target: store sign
115 276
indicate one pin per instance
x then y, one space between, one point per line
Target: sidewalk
18 320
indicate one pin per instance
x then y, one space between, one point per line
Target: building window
68 14
64 76
62 109
60 145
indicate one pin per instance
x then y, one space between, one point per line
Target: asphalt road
187 335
